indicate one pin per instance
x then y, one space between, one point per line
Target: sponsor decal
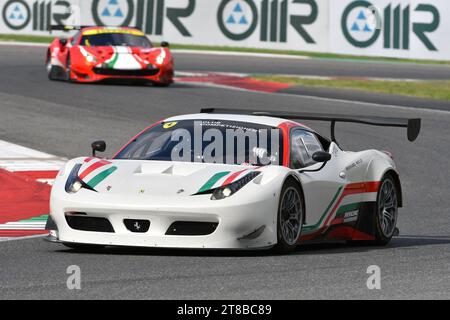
334 208
354 165
109 30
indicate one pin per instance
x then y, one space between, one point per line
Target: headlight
232 188
74 183
91 59
162 56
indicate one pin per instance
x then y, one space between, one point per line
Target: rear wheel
290 217
386 211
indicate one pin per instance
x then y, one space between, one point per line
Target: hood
128 58
159 178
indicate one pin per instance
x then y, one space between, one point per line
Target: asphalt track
63 119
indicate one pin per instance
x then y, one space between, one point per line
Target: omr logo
237 18
113 12
362 26
16 14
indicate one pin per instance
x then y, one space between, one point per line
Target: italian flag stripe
114 59
232 177
100 177
96 165
313 227
212 181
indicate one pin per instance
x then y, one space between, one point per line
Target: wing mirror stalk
319 156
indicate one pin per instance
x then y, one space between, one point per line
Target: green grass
316 55
26 38
433 89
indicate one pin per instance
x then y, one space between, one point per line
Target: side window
303 145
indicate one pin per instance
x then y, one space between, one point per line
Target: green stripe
114 59
317 225
35 219
347 208
100 177
212 181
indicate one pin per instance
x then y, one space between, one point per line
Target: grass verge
433 89
317 55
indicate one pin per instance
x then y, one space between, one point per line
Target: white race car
230 179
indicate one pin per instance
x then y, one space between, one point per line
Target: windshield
115 39
208 141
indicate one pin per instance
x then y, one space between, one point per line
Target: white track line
14 157
23 238
359 103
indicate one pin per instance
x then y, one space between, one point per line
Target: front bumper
163 74
240 225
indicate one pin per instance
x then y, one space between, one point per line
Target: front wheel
51 70
386 211
69 70
290 217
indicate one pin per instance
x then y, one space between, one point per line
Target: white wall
306 25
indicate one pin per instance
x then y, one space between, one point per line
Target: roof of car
103 29
263 120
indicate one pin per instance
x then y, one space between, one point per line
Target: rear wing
61 27
412 125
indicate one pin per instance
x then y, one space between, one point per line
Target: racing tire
81 247
52 71
386 211
290 217
68 77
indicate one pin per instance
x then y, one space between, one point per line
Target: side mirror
321 156
99 146
63 42
164 44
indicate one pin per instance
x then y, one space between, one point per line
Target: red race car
95 54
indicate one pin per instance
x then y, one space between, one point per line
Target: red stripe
285 128
88 159
96 165
353 188
231 178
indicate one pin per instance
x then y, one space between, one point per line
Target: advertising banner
391 28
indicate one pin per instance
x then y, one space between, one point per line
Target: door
323 188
